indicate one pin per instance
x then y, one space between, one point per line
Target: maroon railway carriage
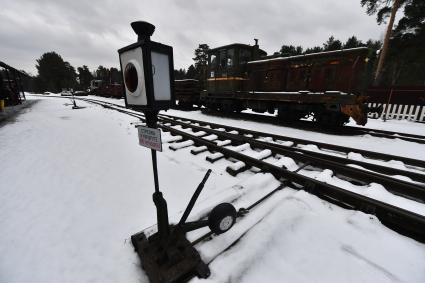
324 85
339 70
101 88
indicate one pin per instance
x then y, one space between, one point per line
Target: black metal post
22 85
17 86
73 101
158 199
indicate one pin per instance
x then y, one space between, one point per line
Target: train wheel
285 114
185 105
331 119
227 108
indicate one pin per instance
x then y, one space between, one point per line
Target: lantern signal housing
148 71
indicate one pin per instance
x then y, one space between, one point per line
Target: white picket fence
400 111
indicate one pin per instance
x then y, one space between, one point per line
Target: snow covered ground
75 185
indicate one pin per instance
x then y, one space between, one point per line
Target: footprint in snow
385 272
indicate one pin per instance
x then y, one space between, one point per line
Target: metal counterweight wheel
222 218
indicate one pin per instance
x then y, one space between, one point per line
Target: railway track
270 153
325 146
310 126
306 125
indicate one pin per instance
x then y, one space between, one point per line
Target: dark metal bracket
167 256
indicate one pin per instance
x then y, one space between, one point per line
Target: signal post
148 75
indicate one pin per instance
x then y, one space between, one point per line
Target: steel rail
311 126
403 221
373 132
337 164
395 186
396 134
366 153
371 166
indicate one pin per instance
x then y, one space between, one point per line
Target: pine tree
179 74
84 77
103 74
201 55
314 49
70 76
406 55
201 61
332 44
191 72
291 50
353 42
383 9
115 75
54 74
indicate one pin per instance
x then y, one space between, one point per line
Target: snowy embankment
75 186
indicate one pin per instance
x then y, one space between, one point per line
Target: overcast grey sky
90 32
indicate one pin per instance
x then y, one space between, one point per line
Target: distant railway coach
188 92
101 88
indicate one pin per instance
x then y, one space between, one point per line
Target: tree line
55 74
402 58
404 52
331 44
403 47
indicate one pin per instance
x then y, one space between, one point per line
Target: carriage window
213 60
223 59
230 57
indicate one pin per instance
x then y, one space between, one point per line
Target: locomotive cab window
223 59
230 61
230 57
244 56
213 60
212 63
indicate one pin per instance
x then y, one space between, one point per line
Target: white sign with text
150 138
